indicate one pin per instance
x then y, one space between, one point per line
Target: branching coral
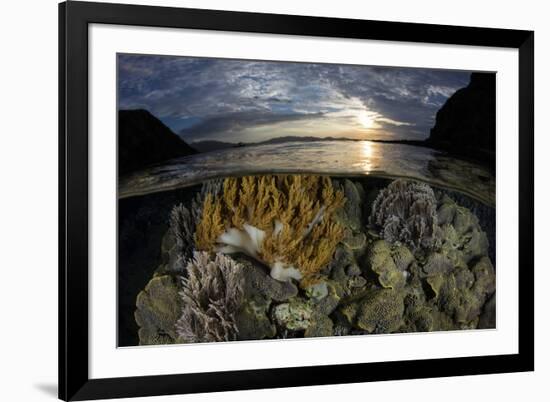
182 227
182 222
406 212
211 295
212 187
284 221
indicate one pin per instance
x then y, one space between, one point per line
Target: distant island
213 145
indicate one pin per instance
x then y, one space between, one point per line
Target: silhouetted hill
466 123
211 145
143 139
291 138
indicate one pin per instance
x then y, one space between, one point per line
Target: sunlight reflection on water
366 155
338 158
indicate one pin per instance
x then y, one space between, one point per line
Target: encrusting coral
211 295
283 221
405 211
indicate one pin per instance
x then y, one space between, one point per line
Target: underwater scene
254 204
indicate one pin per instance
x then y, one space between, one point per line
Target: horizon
209 99
328 138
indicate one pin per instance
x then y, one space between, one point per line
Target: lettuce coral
211 295
381 261
157 310
378 311
284 221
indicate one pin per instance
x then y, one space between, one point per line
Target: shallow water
336 158
144 222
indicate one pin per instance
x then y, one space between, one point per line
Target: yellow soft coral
284 221
211 225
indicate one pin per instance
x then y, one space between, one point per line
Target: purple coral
405 212
212 294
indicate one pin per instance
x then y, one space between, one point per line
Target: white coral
406 212
249 241
212 294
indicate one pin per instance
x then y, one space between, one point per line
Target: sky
252 101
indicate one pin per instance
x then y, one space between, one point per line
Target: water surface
335 158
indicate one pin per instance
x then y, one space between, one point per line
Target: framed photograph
257 201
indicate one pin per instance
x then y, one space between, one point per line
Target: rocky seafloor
275 257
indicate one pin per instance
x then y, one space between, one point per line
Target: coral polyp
284 221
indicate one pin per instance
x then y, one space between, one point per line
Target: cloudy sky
249 101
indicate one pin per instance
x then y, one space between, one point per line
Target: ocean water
335 158
147 197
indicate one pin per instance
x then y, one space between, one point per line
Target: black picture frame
74 381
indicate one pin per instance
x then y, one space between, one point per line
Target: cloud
209 98
229 124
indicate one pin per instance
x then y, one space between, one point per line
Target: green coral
321 326
379 311
381 261
462 293
158 309
438 264
327 304
355 242
317 291
308 315
252 320
259 283
418 316
351 215
462 237
260 291
295 315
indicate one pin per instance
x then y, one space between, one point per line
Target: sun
365 120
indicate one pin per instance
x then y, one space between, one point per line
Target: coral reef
391 274
182 228
351 215
283 221
158 307
294 315
405 212
260 293
379 311
211 295
460 233
399 258
446 286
